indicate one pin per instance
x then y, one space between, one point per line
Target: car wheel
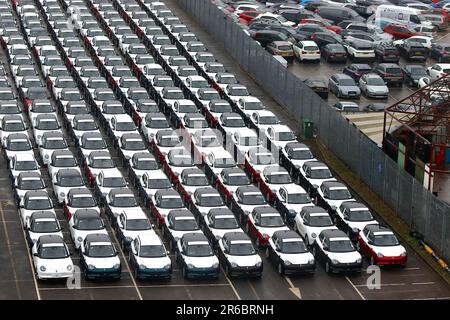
136 272
327 267
280 269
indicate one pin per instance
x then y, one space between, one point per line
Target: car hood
345 257
245 261
297 258
201 262
102 263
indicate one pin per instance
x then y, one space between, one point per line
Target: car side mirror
133 249
370 242
35 254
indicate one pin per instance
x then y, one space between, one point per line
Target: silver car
373 86
343 86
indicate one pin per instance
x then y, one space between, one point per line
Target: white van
386 14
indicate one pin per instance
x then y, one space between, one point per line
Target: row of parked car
197 182
315 30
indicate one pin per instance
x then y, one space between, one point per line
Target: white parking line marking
382 285
254 290
356 289
439 298
422 283
232 286
145 286
295 290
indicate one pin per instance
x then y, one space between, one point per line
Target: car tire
280 269
136 272
327 267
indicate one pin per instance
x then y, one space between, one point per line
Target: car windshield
238 180
26 165
114 182
253 199
53 252
293 247
147 108
195 180
102 163
181 161
152 251
71 181
385 240
44 226
285 136
339 194
320 221
125 126
187 108
267 120
347 82
185 225
199 250
38 204
170 203
344 245
248 141
359 215
199 84
113 109
235 123
31 184
299 198
279 178
48 125
174 95
42 108
71 96
211 200
134 145
138 224
94 144
224 163
55 143
101 251
271 221
64 162
86 125
21 145
301 154
146 164
124 201
320 174
375 82
242 249
418 71
90 224
83 202
225 223
159 183
14 126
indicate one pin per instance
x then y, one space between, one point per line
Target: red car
381 245
247 16
323 23
400 31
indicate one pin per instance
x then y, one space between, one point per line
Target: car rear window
310 48
284 48
394 70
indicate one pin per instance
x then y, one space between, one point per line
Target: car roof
42 215
314 209
149 238
68 172
274 169
220 212
180 213
193 236
377 228
334 233
206 190
37 193
236 236
79 191
51 238
121 191
250 188
292 187
227 171
313 164
265 209
286 234
332 184
97 237
29 174
189 171
353 205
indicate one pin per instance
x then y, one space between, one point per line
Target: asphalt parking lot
416 281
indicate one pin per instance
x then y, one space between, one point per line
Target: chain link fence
420 209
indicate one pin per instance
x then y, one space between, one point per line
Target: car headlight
313 235
62 194
334 261
80 239
128 239
292 213
167 266
246 212
259 264
91 267
234 264
265 235
34 241
116 266
311 261
218 237
39 136
142 266
69 267
355 230
190 266
43 268
380 255
215 265
403 254
46 156
358 260
315 186
287 262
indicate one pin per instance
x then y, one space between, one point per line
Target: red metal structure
417 131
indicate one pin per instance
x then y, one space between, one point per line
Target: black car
334 52
308 29
387 53
440 52
412 73
324 38
319 86
295 15
390 72
338 14
356 70
287 31
411 50
375 107
265 37
285 244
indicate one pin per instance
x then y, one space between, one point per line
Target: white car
306 50
51 141
17 144
218 160
12 124
51 258
311 222
121 124
62 159
218 222
280 135
64 181
23 163
149 258
273 178
262 223
206 141
194 83
236 92
331 194
143 162
190 180
108 180
91 142
119 200
358 49
297 154
45 123
196 256
130 225
313 174
42 223
84 222
336 251
287 250
205 199
243 140
425 41
438 70
163 202
27 181
35 200
293 198
238 256
231 122
263 119
131 143
352 217
152 123
99 257
275 17
154 181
